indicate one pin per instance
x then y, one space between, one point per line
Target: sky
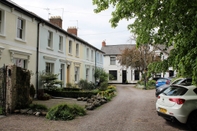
92 28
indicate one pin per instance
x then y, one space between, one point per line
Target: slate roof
115 49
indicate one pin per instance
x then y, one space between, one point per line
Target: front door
124 76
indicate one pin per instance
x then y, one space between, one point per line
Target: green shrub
36 107
32 91
85 85
151 83
103 86
65 112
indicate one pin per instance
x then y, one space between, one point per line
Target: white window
98 59
87 53
87 74
21 28
20 63
49 67
70 47
50 38
60 43
76 74
112 60
101 58
1 22
62 70
92 55
77 49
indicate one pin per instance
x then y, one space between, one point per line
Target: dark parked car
179 81
162 81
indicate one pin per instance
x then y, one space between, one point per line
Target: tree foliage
172 23
138 58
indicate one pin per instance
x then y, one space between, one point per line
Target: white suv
179 103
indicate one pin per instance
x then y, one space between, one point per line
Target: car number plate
162 110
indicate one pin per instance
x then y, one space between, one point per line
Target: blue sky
93 28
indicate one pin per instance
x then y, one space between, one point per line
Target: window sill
20 40
2 35
49 48
70 54
77 56
60 51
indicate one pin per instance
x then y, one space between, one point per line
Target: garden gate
2 90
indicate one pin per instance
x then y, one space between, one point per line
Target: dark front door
124 76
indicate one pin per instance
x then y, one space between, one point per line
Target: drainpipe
95 68
37 57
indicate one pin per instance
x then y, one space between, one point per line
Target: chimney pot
56 20
103 43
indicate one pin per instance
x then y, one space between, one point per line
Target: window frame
70 47
17 62
50 66
2 21
20 31
50 39
77 49
76 74
60 43
87 74
114 73
113 60
87 53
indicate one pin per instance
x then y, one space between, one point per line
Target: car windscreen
176 81
175 91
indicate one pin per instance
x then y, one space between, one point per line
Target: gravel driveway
131 110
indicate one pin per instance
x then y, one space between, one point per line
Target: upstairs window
1 22
70 47
112 60
77 49
50 38
92 55
60 43
87 53
20 28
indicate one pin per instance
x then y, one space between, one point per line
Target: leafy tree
139 58
101 75
172 23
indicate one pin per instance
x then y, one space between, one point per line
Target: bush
65 112
151 83
36 107
42 95
103 86
32 91
85 85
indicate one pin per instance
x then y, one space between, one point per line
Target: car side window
195 90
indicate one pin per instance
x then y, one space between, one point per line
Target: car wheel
192 121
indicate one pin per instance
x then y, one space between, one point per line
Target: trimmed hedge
70 94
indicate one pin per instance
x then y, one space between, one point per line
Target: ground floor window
49 67
113 74
76 74
20 63
87 74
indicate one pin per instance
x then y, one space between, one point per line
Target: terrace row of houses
38 45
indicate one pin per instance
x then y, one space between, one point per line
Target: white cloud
93 28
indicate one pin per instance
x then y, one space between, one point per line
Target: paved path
131 110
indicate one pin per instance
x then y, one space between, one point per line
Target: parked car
179 81
178 103
162 81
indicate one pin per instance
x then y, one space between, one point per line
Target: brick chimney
56 20
72 30
103 43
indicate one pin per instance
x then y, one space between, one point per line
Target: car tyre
192 121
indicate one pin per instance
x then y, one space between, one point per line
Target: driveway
131 110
